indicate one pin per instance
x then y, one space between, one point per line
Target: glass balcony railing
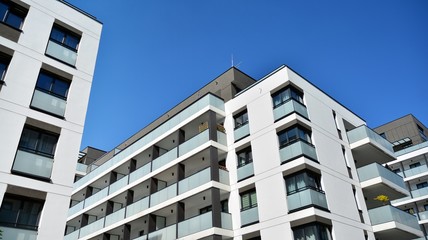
118 185
245 171
242 131
18 233
96 197
72 236
423 215
208 100
221 138
193 142
306 198
224 176
92 227
137 207
168 233
61 53
33 164
195 224
289 107
415 171
163 195
249 216
48 103
363 132
388 213
139 173
226 220
375 170
297 149
194 181
420 192
74 209
81 167
114 217
164 159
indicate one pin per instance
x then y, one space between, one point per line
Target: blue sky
372 56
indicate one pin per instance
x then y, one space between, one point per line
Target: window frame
5 61
298 130
21 200
421 185
66 32
16 10
322 231
40 134
294 94
55 78
241 115
415 165
250 193
306 179
248 156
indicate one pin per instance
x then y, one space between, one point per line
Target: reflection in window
241 119
11 14
65 37
293 134
312 231
52 85
285 95
245 157
19 212
38 142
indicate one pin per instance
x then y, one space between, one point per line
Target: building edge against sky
48 52
245 159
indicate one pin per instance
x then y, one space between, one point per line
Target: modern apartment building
409 137
242 159
48 51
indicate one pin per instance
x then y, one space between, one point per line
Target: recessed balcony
202 222
241 132
48 103
249 216
390 223
61 53
423 169
306 198
167 233
33 164
368 146
289 107
297 149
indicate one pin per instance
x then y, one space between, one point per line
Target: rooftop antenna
233 65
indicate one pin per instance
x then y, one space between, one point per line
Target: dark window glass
3 67
53 85
65 37
415 165
422 185
302 181
313 231
11 14
248 200
293 134
20 212
241 119
244 157
285 95
38 141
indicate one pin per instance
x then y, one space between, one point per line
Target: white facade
44 92
279 160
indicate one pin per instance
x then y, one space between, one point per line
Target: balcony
48 103
202 222
289 107
61 53
91 228
423 217
18 233
297 149
368 146
33 164
194 181
137 207
392 223
242 132
416 171
163 195
245 171
165 158
139 173
249 216
306 198
114 217
168 233
376 179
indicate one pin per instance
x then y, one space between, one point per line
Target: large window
293 134
241 119
4 63
312 231
53 85
285 95
245 157
20 212
65 37
38 141
248 199
302 181
11 14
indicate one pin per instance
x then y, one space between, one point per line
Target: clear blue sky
372 56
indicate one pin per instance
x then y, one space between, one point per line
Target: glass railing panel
388 213
242 131
163 195
226 221
224 176
165 127
194 181
81 167
412 148
139 173
221 138
137 207
363 131
375 170
119 184
415 171
115 217
91 228
18 233
400 200
307 197
96 197
48 103
33 164
195 224
168 233
144 237
75 208
423 215
61 53
71 236
245 171
290 107
297 149
249 216
164 159
420 192
193 143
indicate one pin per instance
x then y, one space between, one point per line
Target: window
53 85
65 37
285 95
421 133
426 207
20 212
302 181
241 119
224 207
422 185
11 14
415 165
293 134
4 63
396 171
248 199
312 231
38 141
244 157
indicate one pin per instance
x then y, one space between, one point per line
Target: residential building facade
244 159
48 52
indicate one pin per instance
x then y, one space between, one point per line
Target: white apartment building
48 52
242 159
